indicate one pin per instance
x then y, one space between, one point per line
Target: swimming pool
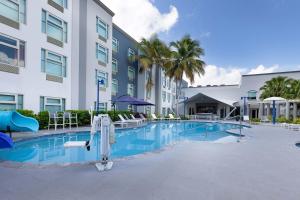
153 136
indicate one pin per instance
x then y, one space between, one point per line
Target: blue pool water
50 149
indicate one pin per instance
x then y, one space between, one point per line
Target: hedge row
84 118
280 120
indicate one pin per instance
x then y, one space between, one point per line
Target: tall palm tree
186 60
153 54
277 87
294 90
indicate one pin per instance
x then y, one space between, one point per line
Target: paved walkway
264 165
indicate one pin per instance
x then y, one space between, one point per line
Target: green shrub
282 120
84 118
296 121
43 119
255 120
27 113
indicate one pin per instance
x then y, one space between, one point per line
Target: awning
203 98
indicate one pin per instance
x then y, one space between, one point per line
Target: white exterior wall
94 10
31 82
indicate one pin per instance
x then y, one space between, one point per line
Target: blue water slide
17 122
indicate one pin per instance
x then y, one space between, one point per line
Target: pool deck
264 165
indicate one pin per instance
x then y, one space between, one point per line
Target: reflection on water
154 136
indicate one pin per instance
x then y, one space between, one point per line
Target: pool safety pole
274 113
105 163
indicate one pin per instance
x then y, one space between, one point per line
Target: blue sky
240 33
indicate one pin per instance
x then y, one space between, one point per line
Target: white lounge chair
174 118
246 118
294 127
137 122
121 123
265 119
156 118
133 117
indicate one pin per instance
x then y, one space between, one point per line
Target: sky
238 36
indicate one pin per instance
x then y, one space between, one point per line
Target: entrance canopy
203 98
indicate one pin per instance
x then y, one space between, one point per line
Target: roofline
102 5
126 34
285 72
205 86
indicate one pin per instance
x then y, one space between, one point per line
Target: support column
227 110
268 109
294 110
260 110
287 110
277 110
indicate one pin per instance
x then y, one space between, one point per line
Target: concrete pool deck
264 165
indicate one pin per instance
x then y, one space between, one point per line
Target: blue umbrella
5 141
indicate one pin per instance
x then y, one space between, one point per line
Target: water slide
17 122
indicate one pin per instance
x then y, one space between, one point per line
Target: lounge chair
137 122
133 117
143 117
294 127
174 118
246 118
156 118
126 117
121 123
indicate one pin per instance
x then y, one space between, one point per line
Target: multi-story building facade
35 54
92 53
124 70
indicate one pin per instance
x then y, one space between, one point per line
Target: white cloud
140 18
260 69
218 75
205 35
215 75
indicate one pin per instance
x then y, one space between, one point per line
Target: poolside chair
126 117
137 122
143 117
294 127
265 119
174 118
155 118
121 123
133 117
70 119
246 118
56 118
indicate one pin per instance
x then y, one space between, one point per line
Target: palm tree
153 55
185 57
294 90
277 87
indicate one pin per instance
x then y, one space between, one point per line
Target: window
115 45
114 89
164 96
62 3
102 28
130 108
164 111
11 101
114 66
169 97
173 87
54 27
131 52
148 110
169 84
164 80
53 64
131 73
173 99
102 106
102 76
148 94
130 89
252 94
52 104
12 51
101 53
14 10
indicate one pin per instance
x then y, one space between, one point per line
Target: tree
294 90
153 54
277 87
185 57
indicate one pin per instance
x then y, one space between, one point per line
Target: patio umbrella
274 99
141 102
5 141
